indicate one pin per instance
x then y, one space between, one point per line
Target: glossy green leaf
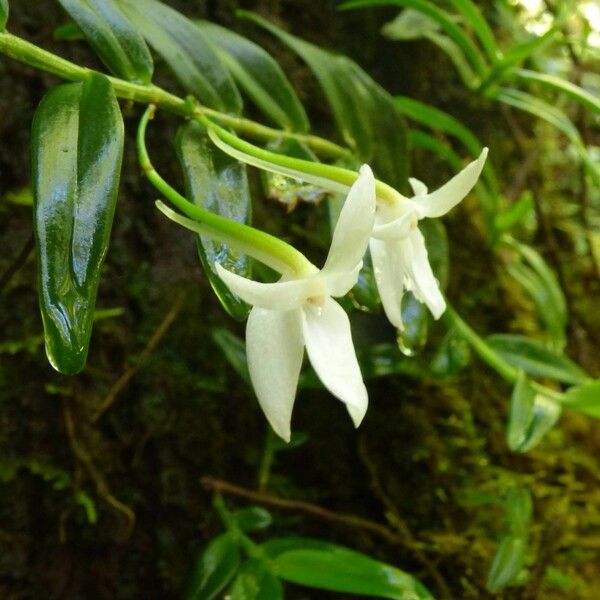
364 112
215 568
255 582
507 564
114 38
531 416
184 48
77 147
535 358
253 518
3 14
415 317
259 75
584 398
317 564
218 183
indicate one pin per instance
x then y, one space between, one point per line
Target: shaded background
115 508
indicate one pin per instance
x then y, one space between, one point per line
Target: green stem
23 51
491 358
260 245
333 178
251 549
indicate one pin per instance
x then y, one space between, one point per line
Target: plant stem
23 51
491 358
260 245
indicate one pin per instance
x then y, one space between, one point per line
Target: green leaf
519 508
116 41
480 26
255 582
77 148
507 564
259 76
452 355
541 283
317 564
218 183
531 416
253 518
515 214
415 317
561 85
364 112
535 358
69 32
584 398
3 14
444 19
215 568
184 48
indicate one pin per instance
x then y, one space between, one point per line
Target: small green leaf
216 182
507 564
364 112
515 214
531 416
77 148
535 358
519 508
69 32
3 14
253 518
584 398
116 41
415 317
259 76
215 568
255 582
184 48
317 564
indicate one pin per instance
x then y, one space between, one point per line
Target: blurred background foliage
107 478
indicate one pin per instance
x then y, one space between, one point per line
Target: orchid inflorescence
298 311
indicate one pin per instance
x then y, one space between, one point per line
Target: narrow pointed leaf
3 14
584 398
216 182
535 358
364 112
531 416
215 568
114 38
77 146
507 564
185 49
320 565
259 76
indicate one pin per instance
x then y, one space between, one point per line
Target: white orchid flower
398 247
298 311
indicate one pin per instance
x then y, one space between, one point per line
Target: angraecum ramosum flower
299 311
398 247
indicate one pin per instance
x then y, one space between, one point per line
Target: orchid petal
319 180
275 348
389 276
398 228
331 352
445 198
339 284
423 283
354 225
282 295
418 187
